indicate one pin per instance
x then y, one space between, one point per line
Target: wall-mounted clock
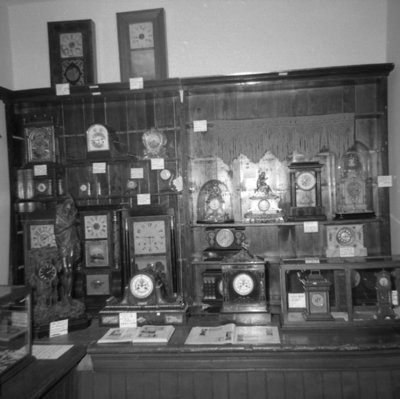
42 235
243 288
305 191
345 241
72 49
142 44
39 142
150 246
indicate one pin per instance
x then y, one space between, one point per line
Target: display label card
99 167
143 199
62 89
310 227
40 170
137 173
59 327
297 300
157 163
346 252
19 319
395 298
311 260
385 181
127 319
136 83
200 126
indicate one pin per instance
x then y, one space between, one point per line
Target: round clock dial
96 226
165 174
97 138
225 238
243 284
264 205
141 286
214 204
383 281
317 300
149 237
47 272
306 181
345 236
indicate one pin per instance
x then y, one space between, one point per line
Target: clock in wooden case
72 49
225 239
316 289
305 192
151 246
384 296
40 144
142 44
244 288
345 240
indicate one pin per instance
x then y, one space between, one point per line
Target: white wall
211 37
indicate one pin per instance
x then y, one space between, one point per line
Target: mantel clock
72 52
305 191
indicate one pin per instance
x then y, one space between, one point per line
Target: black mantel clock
305 192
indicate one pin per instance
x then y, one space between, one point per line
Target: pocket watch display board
72 49
142 44
150 247
305 191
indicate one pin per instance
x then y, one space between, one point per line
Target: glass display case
15 330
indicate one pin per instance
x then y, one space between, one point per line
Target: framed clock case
72 48
142 44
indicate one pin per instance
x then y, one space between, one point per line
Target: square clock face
96 226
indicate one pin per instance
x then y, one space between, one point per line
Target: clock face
71 45
383 281
214 204
47 272
243 284
42 235
97 138
149 237
306 181
345 236
318 300
96 226
264 205
165 174
141 286
225 238
141 35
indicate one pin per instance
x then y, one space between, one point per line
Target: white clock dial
149 237
141 286
141 35
383 281
42 235
306 181
96 226
317 300
71 45
224 238
345 236
264 205
214 204
97 138
243 284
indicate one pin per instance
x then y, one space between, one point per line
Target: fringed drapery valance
283 136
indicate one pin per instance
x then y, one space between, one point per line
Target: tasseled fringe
307 135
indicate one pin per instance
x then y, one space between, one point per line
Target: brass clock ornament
244 288
72 52
142 44
305 192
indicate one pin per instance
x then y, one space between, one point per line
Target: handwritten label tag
99 167
157 163
311 260
62 89
143 199
19 319
59 327
385 181
310 227
346 252
136 83
297 300
40 170
127 319
137 173
200 126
